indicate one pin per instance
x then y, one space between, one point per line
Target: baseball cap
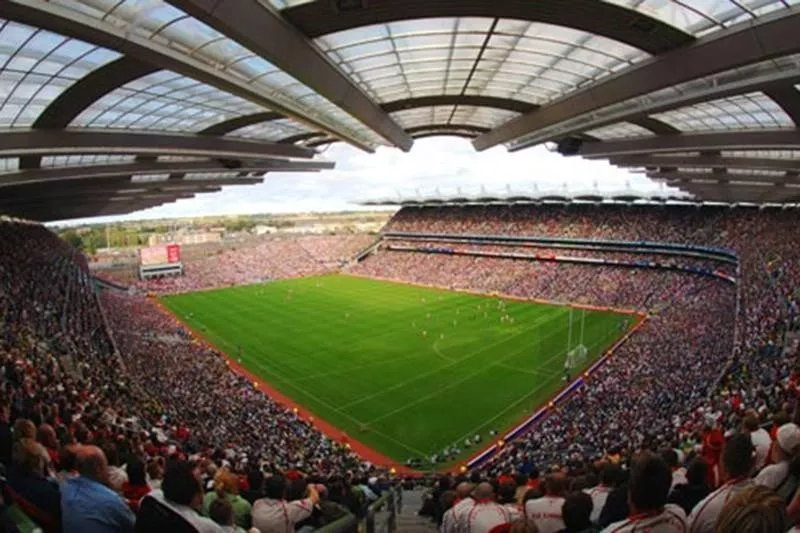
788 437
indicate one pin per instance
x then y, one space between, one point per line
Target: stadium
538 361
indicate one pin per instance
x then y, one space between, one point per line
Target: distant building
185 237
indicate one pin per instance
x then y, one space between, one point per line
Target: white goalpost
576 356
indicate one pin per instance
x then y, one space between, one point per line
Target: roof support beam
87 196
789 99
302 137
50 16
508 104
261 29
315 19
700 178
766 38
709 161
121 173
686 142
49 142
83 93
233 124
433 128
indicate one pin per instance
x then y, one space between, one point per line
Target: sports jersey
671 519
485 515
704 515
599 495
546 512
280 516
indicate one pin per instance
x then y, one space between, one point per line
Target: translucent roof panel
272 130
164 101
483 117
283 4
86 159
742 112
36 66
204 176
766 154
527 61
620 131
700 17
9 164
731 171
180 158
166 26
149 178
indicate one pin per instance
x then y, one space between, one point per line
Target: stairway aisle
407 519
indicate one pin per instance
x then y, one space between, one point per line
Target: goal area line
370 454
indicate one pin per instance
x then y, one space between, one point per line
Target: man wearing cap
787 442
737 465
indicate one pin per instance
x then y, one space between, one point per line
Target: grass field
405 370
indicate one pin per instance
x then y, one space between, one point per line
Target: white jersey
762 442
484 516
546 512
671 520
705 513
460 512
280 516
773 476
599 495
449 522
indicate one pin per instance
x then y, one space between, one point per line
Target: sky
436 166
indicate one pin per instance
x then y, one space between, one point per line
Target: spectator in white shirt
273 514
737 465
756 509
647 496
453 520
762 442
599 494
546 511
486 514
786 445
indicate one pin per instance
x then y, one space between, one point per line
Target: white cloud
444 163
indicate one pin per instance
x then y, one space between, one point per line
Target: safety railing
392 501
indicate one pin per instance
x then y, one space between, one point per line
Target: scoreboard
156 261
160 255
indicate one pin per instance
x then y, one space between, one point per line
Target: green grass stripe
407 370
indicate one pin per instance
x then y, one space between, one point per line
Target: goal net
576 357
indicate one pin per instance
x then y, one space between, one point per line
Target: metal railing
392 500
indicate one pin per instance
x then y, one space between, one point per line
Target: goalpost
576 356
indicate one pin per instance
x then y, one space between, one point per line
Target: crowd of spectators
144 428
115 418
270 258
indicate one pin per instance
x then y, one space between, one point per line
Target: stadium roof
110 106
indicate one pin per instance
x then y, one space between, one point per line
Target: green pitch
408 371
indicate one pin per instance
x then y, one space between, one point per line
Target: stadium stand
271 258
111 391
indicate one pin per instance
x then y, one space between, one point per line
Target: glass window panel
170 27
186 106
700 17
749 111
37 70
9 164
